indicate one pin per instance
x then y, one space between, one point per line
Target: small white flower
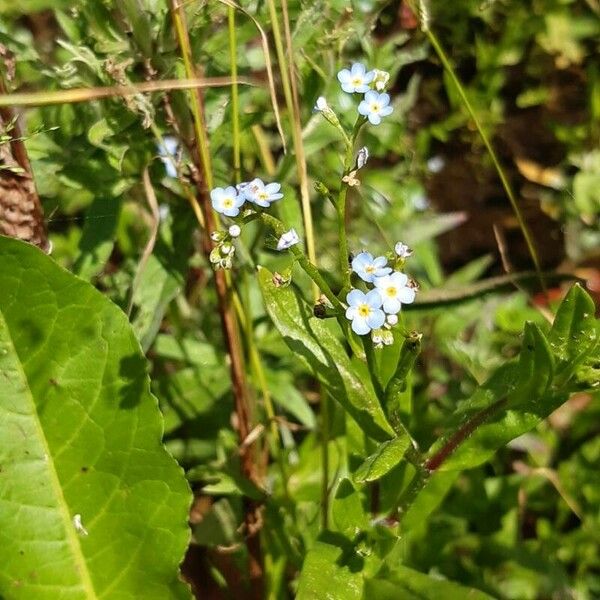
163 212
262 194
234 231
394 291
362 157
287 240
436 164
368 268
216 236
375 106
227 249
392 320
364 310
402 250
321 104
356 79
380 80
227 201
167 150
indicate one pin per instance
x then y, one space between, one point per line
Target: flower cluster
228 201
370 311
375 103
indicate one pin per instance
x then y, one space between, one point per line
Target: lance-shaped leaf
514 400
91 504
574 335
311 339
388 455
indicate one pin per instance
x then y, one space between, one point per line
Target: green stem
372 364
419 481
279 228
234 94
325 461
487 143
341 207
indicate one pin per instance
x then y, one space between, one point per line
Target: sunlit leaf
91 504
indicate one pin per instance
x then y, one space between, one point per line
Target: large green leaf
91 504
313 340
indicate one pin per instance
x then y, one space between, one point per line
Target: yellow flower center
375 107
357 81
364 310
263 195
370 269
391 292
228 202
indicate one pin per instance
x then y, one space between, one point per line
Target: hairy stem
310 269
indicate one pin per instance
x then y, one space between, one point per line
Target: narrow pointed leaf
388 455
574 334
91 504
313 341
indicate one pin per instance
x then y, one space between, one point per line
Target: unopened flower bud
392 320
362 157
235 230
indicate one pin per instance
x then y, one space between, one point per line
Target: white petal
360 261
384 99
359 326
374 119
371 96
358 69
406 295
386 111
217 193
376 319
344 76
272 188
374 299
392 306
355 297
399 279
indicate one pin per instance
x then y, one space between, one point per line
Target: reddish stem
457 438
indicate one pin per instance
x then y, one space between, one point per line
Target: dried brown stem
21 213
203 177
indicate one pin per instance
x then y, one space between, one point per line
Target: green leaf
331 571
91 504
98 237
387 456
316 343
574 334
519 395
407 584
535 370
347 510
161 278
